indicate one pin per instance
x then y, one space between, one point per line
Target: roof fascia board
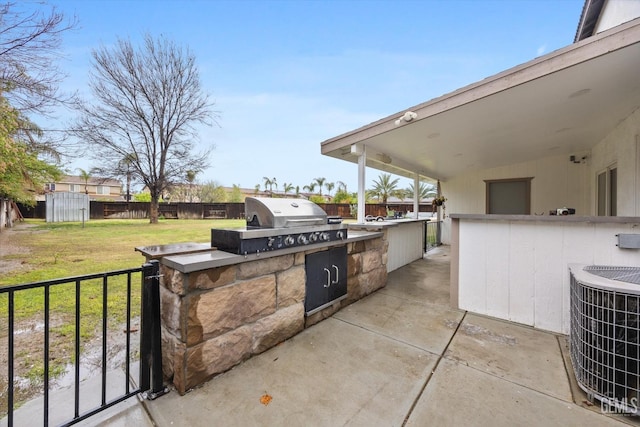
589 19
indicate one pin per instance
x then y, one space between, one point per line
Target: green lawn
60 250
67 249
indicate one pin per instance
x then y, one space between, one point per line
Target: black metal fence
91 316
432 235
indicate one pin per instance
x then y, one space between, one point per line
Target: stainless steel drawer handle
328 278
335 267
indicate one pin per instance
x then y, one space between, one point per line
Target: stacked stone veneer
216 318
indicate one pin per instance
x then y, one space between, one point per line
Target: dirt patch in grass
28 357
9 248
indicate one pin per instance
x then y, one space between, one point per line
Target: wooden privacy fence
140 210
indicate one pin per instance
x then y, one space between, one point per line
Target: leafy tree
22 172
142 197
29 80
317 198
235 195
257 189
148 101
212 192
344 197
384 187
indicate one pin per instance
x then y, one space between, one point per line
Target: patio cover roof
564 102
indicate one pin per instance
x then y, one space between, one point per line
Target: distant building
97 188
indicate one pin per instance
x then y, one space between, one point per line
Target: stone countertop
551 218
204 260
161 251
378 225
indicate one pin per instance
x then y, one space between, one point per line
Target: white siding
518 270
405 244
620 148
556 183
616 12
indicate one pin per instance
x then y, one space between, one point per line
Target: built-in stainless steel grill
274 224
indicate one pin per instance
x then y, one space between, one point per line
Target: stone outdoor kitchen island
219 309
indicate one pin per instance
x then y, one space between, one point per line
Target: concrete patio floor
399 357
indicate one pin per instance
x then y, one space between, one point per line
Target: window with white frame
103 189
51 186
75 188
607 191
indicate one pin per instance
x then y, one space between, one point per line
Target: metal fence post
151 380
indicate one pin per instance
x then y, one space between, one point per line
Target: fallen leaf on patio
586 402
265 399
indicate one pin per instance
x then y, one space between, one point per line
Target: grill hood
266 212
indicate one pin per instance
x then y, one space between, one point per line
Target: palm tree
310 188
124 167
191 177
342 186
329 186
287 188
269 183
257 189
384 187
85 176
320 181
425 191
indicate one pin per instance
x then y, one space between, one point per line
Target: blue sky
287 75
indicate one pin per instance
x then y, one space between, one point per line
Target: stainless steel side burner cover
266 212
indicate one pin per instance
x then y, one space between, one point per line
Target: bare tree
29 48
148 102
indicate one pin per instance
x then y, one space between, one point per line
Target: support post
416 195
151 380
361 150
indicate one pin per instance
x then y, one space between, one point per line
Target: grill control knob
324 236
340 235
302 239
289 240
270 242
313 237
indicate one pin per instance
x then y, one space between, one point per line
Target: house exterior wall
621 148
616 12
556 183
517 268
73 184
